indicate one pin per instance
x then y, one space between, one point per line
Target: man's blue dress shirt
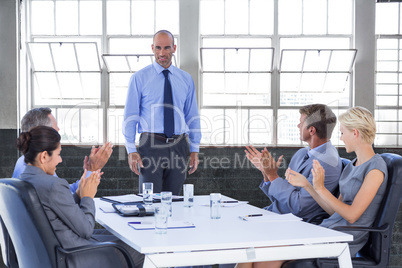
144 105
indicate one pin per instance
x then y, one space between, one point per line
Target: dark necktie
304 159
168 107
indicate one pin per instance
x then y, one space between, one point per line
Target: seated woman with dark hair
72 218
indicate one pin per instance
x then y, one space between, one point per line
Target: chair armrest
62 252
380 229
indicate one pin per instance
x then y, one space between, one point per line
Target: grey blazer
72 219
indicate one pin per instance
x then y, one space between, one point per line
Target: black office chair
377 249
34 240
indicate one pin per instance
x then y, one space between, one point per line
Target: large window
259 61
262 60
82 54
388 107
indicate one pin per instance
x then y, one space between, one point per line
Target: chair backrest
387 211
33 238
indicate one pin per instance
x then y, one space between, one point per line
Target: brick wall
224 170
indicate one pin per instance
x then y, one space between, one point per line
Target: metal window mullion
302 70
224 71
54 17
54 68
275 76
326 72
105 102
79 18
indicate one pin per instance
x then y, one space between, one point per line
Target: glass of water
161 219
147 193
188 192
215 205
166 200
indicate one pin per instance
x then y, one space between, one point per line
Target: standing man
317 121
161 105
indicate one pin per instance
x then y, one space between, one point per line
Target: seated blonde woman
361 185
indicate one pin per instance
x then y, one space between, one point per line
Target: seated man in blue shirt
317 122
43 117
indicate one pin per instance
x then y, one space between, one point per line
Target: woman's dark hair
37 140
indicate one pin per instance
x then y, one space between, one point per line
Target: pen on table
230 201
138 222
253 215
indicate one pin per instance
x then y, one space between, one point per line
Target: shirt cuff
194 148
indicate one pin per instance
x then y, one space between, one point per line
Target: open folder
138 225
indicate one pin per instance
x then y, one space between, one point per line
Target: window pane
316 61
386 140
64 57
260 83
260 127
290 19
211 18
336 82
236 42
261 60
236 17
115 121
213 82
387 89
387 78
386 100
87 55
137 63
386 115
314 43
212 126
236 126
67 17
91 85
288 132
237 60
92 126
143 19
386 18
292 61
70 85
342 60
41 58
314 17
116 63
212 60
42 18
68 121
340 16
46 86
387 127
130 45
167 16
118 84
261 17
91 17
118 17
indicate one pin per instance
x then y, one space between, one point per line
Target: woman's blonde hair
361 119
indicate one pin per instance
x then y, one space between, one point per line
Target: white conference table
227 240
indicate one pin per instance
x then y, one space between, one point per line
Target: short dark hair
163 31
321 117
36 117
37 140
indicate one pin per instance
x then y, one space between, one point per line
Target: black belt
164 138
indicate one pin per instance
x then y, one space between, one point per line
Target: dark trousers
165 164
